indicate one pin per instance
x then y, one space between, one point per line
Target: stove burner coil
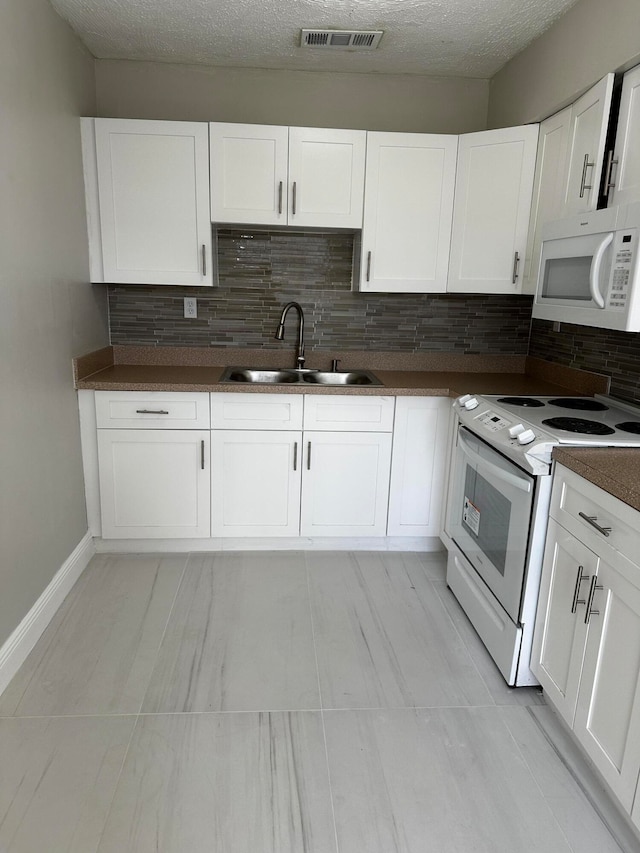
526 402
579 425
579 404
629 426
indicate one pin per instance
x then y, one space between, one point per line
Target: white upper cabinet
587 141
152 210
270 175
409 189
548 189
623 174
491 211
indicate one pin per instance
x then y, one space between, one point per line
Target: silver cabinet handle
309 456
368 266
204 260
576 592
151 412
295 455
592 590
516 262
583 185
608 183
293 198
280 197
202 454
593 521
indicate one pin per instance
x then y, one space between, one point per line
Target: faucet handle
334 364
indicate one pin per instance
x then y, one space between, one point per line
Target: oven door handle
498 473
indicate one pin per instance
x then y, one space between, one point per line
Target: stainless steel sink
347 377
284 376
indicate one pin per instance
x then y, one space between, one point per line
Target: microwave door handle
594 272
498 473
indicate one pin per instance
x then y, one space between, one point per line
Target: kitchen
51 315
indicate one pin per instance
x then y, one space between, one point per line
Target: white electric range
497 509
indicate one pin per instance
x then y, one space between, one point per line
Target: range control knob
472 403
526 437
462 400
516 430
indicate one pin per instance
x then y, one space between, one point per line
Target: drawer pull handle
294 195
202 454
576 592
204 260
583 183
295 455
151 412
592 590
516 262
593 521
309 456
280 198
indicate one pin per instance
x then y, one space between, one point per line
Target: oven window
486 515
567 278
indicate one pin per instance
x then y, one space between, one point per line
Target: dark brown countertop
192 369
617 471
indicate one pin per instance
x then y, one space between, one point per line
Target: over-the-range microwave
589 272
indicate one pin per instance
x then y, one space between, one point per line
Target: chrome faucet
280 331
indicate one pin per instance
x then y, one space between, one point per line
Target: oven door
489 513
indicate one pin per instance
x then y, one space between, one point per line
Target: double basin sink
292 376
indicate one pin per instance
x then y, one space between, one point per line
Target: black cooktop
579 404
629 426
526 402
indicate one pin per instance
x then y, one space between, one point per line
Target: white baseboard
14 651
291 543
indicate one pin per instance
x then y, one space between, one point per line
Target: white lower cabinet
586 650
345 486
255 482
418 466
154 484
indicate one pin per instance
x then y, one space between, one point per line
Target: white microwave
589 271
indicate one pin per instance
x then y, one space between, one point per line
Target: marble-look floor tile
581 825
97 654
239 638
233 783
434 564
383 639
500 691
441 780
57 780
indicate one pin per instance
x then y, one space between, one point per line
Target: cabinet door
248 173
326 177
255 482
154 484
587 138
345 486
561 631
418 466
154 201
548 189
626 173
607 720
409 189
491 209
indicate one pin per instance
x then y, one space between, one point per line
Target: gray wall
307 99
47 310
593 38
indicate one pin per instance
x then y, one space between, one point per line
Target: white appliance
498 504
589 272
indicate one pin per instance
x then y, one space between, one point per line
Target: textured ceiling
460 38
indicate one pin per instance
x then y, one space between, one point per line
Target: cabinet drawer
573 495
256 411
152 410
349 413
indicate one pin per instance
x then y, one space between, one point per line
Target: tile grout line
324 731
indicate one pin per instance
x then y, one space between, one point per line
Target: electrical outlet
190 307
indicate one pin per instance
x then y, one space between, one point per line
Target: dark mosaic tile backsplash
260 271
615 354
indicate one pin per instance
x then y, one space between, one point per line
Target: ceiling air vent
341 39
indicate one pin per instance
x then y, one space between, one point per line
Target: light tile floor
281 702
